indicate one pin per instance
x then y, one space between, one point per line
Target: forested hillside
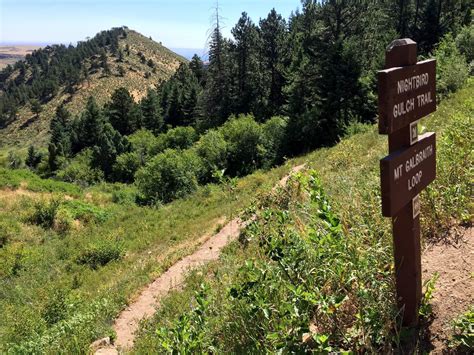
32 89
277 89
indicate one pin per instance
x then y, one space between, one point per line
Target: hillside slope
313 271
64 278
144 64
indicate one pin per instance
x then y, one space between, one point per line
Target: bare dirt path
145 305
454 290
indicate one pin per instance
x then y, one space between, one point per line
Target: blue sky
176 23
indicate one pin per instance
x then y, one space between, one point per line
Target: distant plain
9 54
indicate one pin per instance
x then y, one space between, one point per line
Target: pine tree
152 113
218 94
120 56
197 67
119 111
33 158
87 130
110 145
54 157
174 112
104 63
274 35
36 107
246 37
60 130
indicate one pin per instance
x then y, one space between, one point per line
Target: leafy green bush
63 221
465 44
14 160
177 138
170 175
274 137
126 166
187 335
79 170
452 69
212 148
244 137
463 338
55 309
45 213
8 230
85 212
144 142
101 253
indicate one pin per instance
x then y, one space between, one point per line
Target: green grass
63 281
319 252
14 179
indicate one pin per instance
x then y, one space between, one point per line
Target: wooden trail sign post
407 92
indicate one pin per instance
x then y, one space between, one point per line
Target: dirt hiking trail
453 260
145 305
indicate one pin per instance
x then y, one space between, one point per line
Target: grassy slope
39 275
21 135
359 265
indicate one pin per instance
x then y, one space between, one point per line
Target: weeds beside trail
314 270
71 258
296 268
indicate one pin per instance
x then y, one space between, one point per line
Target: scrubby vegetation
313 269
70 257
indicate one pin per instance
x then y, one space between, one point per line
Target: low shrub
8 230
124 195
177 138
14 160
212 148
245 145
452 69
55 309
63 221
85 212
170 175
101 253
12 258
45 213
79 171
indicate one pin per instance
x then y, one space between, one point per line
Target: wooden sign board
406 94
405 173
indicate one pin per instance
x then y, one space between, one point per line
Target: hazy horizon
187 53
177 24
